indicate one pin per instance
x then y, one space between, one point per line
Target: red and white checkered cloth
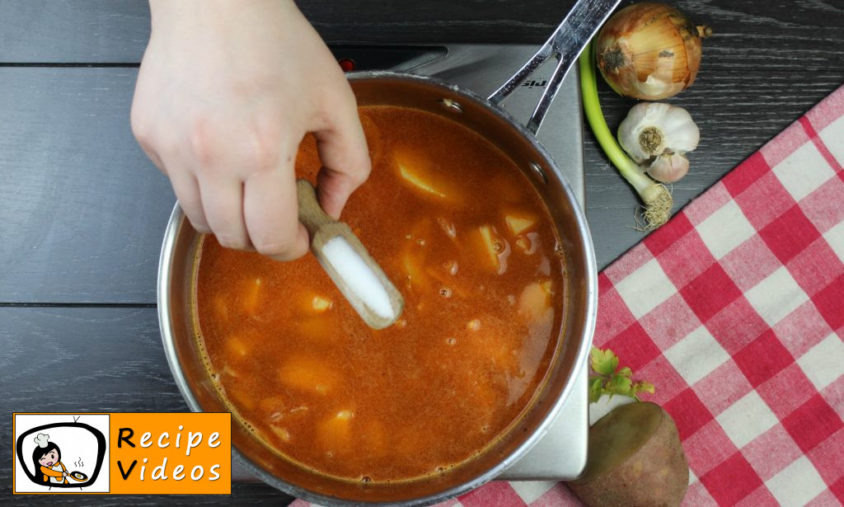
734 310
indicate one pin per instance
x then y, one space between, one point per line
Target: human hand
225 93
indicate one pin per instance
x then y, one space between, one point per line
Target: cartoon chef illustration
47 458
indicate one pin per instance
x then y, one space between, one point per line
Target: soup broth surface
466 240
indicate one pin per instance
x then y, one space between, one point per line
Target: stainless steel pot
179 253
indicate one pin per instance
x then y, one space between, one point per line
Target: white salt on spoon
348 264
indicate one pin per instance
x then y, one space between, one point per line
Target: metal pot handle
565 44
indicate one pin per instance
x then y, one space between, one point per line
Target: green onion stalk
655 197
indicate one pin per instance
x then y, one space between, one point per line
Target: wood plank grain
93 357
73 30
91 360
102 31
83 210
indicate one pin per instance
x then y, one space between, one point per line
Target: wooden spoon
345 259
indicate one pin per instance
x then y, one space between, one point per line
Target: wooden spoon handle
310 212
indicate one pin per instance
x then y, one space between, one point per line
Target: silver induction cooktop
561 454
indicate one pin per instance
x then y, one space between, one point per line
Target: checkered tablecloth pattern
734 310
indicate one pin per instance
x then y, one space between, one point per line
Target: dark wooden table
82 211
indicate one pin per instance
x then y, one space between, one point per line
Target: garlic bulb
659 135
669 168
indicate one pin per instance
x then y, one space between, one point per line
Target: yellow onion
649 51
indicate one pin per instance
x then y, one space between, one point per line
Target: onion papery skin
649 51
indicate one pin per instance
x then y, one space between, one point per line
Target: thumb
345 160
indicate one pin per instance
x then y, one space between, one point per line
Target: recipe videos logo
122 453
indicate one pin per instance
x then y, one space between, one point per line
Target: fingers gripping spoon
348 264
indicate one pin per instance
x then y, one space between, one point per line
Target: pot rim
177 220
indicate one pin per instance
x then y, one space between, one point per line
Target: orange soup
465 238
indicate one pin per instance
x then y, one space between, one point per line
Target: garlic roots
658 136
